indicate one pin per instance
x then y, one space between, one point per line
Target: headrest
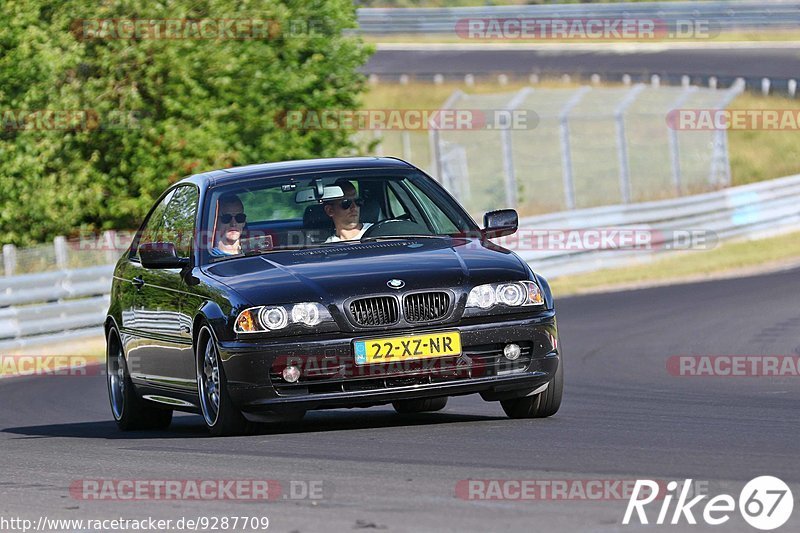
314 217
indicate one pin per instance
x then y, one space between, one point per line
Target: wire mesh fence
64 254
586 147
579 147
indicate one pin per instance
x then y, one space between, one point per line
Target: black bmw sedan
257 293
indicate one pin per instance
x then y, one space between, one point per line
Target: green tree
166 107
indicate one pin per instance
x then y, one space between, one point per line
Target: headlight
514 294
276 317
307 314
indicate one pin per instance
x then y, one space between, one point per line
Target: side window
152 227
179 220
395 207
442 223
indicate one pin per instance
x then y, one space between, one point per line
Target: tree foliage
158 109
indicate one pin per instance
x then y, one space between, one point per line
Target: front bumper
330 378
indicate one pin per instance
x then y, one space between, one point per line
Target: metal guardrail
754 210
48 307
51 307
724 15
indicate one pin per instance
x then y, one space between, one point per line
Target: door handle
138 282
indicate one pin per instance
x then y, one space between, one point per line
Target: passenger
346 214
230 223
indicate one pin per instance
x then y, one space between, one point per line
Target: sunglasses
346 204
227 217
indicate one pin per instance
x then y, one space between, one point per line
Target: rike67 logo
765 503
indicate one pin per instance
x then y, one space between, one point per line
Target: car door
159 353
131 275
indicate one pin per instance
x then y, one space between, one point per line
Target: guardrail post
60 245
622 143
9 259
566 153
765 84
655 81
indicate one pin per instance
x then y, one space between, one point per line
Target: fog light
511 351
291 374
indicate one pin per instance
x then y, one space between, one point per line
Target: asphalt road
623 417
725 61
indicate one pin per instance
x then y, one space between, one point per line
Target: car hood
333 273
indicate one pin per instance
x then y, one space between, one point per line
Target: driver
230 223
345 214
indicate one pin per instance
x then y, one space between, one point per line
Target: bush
142 112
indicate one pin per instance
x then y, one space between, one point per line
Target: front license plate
390 349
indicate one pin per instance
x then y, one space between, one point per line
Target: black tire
542 405
129 410
424 405
221 416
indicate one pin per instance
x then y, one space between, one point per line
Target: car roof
283 168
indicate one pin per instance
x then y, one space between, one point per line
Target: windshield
294 212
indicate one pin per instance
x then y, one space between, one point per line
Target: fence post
110 244
60 245
406 136
435 141
436 159
507 148
566 153
622 142
720 164
672 137
377 136
9 259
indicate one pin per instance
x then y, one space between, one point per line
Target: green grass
762 155
727 258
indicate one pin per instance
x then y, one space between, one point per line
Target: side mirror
161 255
499 223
